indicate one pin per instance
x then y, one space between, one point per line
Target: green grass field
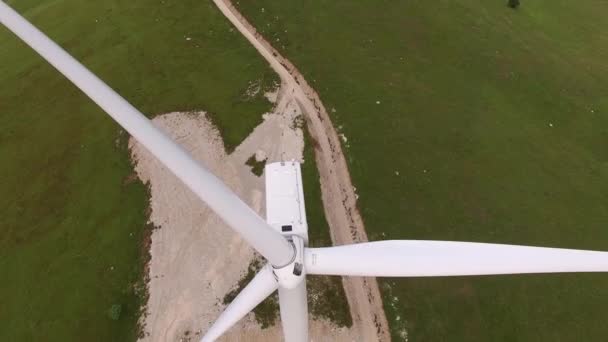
73 222
467 120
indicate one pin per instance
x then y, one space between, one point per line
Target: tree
513 3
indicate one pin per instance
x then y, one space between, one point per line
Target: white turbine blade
260 287
294 313
448 258
203 183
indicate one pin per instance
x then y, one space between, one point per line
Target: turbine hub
292 274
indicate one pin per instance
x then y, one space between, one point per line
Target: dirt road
338 194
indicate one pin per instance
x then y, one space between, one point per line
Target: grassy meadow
467 120
73 219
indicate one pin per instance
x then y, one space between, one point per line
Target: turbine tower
282 241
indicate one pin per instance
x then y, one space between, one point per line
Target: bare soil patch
195 258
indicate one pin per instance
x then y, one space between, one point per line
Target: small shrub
115 311
513 3
257 167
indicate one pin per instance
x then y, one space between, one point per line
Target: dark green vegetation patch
257 167
73 222
467 120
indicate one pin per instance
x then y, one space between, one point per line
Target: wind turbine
283 239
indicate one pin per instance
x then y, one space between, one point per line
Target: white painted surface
419 258
294 313
285 198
